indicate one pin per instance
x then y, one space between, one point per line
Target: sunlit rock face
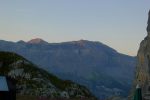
143 65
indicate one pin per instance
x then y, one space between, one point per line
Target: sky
120 24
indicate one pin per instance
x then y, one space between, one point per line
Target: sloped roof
3 84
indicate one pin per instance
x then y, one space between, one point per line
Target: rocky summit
32 81
37 41
143 66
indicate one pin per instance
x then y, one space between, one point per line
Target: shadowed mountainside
32 81
102 69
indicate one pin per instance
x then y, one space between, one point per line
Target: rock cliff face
143 66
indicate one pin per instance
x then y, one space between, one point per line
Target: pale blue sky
120 24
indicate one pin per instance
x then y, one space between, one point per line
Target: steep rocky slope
143 66
33 81
93 64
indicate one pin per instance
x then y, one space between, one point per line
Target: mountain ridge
93 64
80 42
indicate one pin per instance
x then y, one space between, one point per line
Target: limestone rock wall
143 66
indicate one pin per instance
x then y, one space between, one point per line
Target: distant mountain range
33 81
93 64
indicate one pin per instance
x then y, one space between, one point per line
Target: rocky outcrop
143 65
33 81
